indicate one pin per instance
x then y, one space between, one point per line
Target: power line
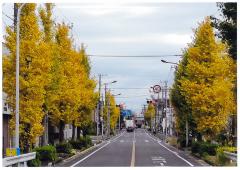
130 88
134 56
131 96
8 16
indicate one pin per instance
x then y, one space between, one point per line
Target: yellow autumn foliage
35 59
209 81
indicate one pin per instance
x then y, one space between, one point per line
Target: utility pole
102 116
165 109
99 103
171 117
158 107
17 77
156 113
108 114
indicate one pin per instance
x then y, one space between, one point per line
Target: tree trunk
45 133
73 130
61 131
78 132
234 130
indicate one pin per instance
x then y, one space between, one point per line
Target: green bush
221 157
88 141
204 147
195 147
45 153
64 147
35 162
78 144
210 148
82 142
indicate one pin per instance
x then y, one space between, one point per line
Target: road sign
156 89
12 151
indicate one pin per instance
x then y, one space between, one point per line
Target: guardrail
20 160
231 156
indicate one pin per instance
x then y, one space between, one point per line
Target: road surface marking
158 159
133 151
146 141
121 141
175 153
95 151
133 155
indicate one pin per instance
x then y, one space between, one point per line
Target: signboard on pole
156 89
12 152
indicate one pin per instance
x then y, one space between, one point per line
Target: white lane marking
90 154
167 148
118 137
146 141
121 141
175 153
95 151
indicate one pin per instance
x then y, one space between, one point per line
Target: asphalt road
136 148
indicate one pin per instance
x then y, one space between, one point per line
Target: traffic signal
149 101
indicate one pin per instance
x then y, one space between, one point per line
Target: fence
20 160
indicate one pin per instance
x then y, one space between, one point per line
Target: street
136 148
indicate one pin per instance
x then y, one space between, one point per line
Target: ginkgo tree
149 114
35 60
113 110
71 87
208 81
54 76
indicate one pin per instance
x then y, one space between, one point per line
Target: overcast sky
132 29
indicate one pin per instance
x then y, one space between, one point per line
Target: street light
186 123
116 94
17 78
164 61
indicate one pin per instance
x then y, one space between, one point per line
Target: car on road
129 125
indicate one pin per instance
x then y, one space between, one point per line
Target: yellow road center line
133 155
133 151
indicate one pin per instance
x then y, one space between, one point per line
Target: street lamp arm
164 61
